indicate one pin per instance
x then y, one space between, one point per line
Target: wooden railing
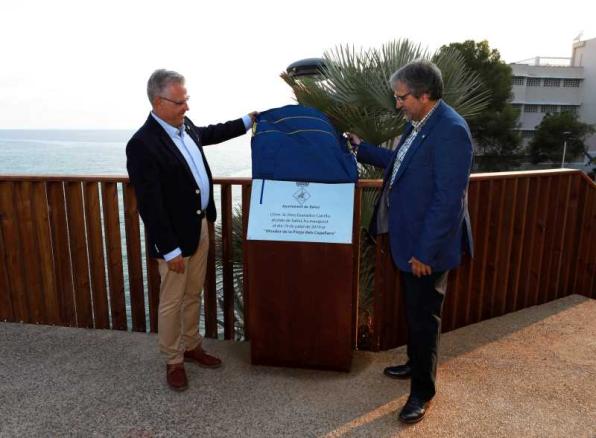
71 254
534 241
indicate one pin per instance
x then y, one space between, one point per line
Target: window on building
550 82
569 108
527 134
518 80
571 83
549 108
533 82
531 108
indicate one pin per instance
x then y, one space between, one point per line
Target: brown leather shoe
176 377
200 356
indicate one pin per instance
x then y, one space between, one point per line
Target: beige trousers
180 302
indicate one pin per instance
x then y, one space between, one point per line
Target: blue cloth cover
297 143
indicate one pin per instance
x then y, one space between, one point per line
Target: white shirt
190 151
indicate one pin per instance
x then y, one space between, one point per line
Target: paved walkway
530 373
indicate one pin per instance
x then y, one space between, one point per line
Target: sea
98 152
102 152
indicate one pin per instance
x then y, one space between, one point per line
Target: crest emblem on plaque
301 195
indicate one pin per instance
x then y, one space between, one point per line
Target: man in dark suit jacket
423 207
174 189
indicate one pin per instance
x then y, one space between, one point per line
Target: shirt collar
172 131
418 125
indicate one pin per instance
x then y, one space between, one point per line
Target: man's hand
176 265
253 116
418 268
353 138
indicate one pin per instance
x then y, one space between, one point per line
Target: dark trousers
424 304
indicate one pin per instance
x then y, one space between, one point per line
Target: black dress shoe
398 372
414 410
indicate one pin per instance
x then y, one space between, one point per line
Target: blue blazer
428 214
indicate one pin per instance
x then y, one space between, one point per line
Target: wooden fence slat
390 299
576 208
507 215
494 256
33 283
153 284
113 244
485 201
528 245
447 322
548 233
457 290
564 203
246 191
46 259
356 265
579 240
378 292
464 314
226 260
389 324
535 273
96 256
555 231
582 282
14 252
513 300
78 251
395 331
61 253
210 289
460 293
7 312
135 265
592 257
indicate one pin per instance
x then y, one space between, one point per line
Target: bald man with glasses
174 188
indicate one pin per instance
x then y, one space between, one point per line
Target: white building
545 85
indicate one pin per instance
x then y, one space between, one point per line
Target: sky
85 64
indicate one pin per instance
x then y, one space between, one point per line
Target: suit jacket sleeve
145 178
377 156
452 161
213 134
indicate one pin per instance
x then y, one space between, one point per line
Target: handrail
247 180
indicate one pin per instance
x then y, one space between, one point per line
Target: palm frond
463 89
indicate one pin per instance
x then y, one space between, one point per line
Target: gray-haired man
174 188
423 208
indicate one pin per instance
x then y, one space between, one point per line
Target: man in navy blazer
174 188
423 207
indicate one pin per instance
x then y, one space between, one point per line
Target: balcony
519 357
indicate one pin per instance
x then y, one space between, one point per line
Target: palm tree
356 95
354 92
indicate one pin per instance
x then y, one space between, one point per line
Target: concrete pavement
529 373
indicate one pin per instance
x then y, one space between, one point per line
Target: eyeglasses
401 98
176 102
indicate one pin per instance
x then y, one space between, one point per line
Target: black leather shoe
414 410
398 372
